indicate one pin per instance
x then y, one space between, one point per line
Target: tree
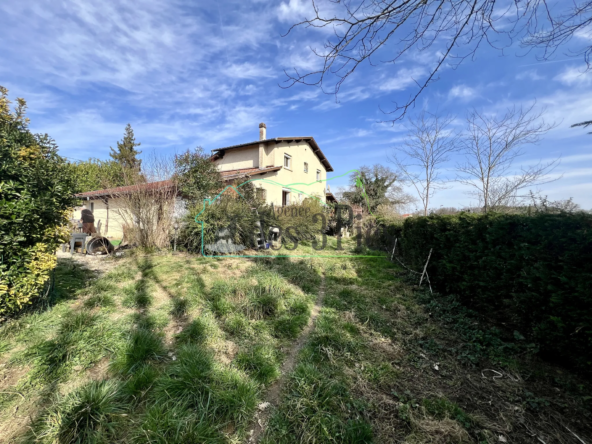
428 145
148 207
491 145
197 176
374 186
126 154
542 204
379 30
36 193
95 174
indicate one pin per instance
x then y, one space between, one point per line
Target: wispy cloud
574 76
462 92
403 79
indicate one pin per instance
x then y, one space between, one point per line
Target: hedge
533 273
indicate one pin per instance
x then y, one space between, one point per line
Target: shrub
87 415
36 192
240 215
228 212
531 272
302 221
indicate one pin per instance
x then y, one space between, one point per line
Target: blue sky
188 74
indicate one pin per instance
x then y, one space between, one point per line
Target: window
318 175
306 167
287 162
92 207
285 198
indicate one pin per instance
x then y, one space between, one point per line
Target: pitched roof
310 140
163 184
108 192
246 172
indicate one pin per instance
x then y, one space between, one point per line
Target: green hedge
36 193
533 273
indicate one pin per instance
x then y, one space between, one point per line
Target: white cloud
462 92
248 70
402 80
574 76
529 75
294 11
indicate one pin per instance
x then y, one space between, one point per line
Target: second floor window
318 174
306 167
287 162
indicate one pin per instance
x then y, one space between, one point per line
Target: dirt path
99 264
272 397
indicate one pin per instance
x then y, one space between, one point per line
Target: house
293 168
107 205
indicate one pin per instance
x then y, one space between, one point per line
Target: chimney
262 131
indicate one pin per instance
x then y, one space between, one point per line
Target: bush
240 214
36 193
301 221
532 273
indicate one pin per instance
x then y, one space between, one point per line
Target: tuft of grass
290 326
441 408
173 423
218 298
87 415
82 339
180 306
136 295
202 384
99 300
77 322
260 362
141 381
143 346
318 407
102 286
121 274
199 331
237 324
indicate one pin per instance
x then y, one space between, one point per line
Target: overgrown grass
179 349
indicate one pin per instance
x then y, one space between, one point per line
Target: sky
187 74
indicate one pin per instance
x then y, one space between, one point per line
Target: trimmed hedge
533 273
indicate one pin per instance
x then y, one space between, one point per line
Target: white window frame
319 175
288 160
306 167
288 194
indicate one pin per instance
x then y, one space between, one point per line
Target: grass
179 349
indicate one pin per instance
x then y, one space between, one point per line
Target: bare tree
428 145
147 205
491 145
385 30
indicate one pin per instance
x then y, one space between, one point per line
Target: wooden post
425 267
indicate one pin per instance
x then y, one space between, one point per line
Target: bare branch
367 28
428 145
491 145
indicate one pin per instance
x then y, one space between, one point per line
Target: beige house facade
285 169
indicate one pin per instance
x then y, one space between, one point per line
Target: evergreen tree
126 153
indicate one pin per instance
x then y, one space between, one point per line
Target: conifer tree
126 153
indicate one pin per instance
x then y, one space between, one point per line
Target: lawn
182 349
